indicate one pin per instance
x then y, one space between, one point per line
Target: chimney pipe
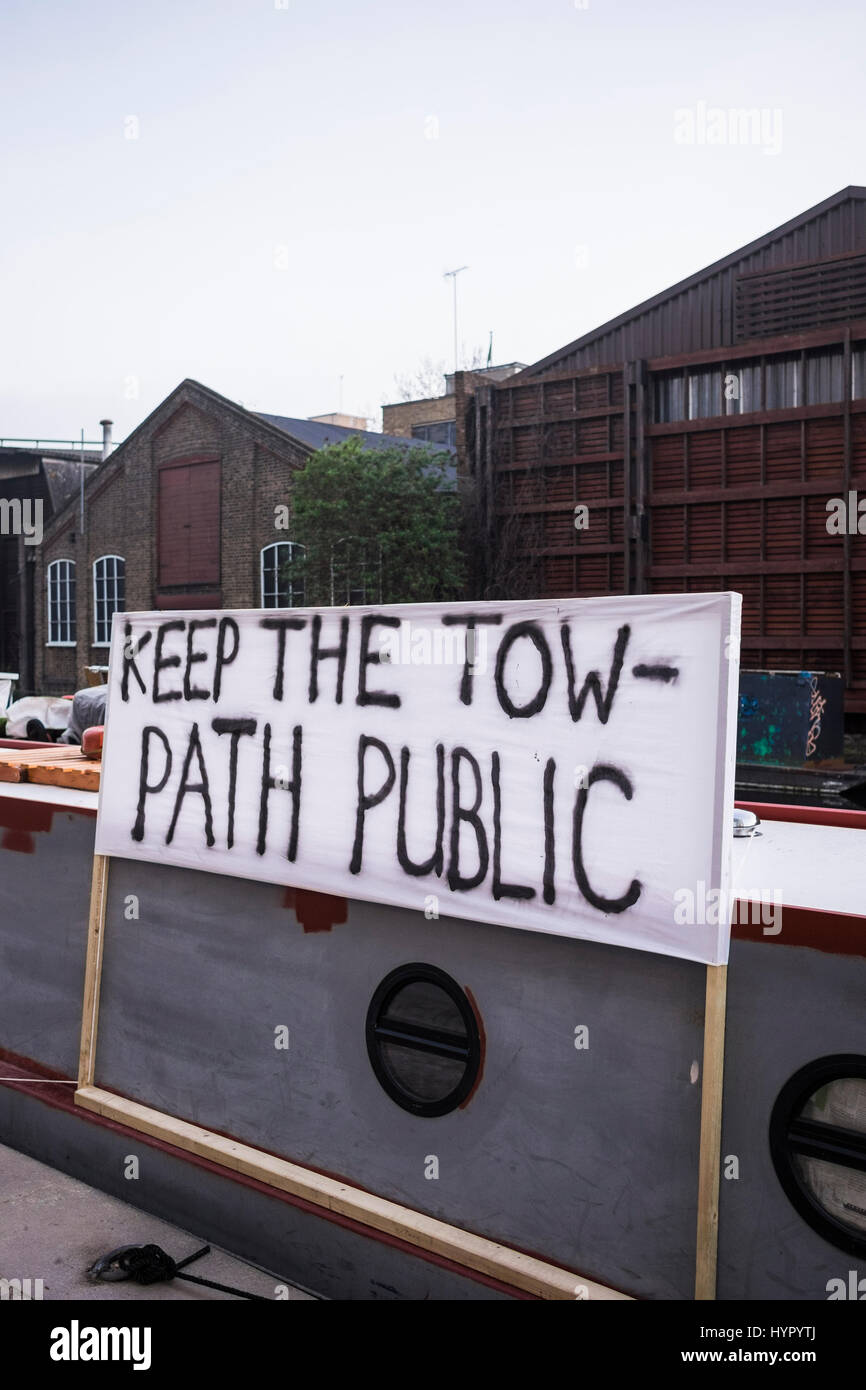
106 438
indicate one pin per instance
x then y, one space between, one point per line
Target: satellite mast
452 274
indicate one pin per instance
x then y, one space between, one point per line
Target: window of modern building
423 1040
782 383
109 595
670 398
735 388
437 432
61 604
741 385
825 377
282 584
818 1145
700 394
705 393
858 373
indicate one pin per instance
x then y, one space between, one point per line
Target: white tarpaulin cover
50 711
557 765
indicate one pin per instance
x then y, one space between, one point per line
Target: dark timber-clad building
706 431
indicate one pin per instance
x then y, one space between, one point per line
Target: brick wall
121 501
465 386
399 418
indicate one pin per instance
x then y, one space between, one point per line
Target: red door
188 564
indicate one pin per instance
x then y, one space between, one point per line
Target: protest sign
561 766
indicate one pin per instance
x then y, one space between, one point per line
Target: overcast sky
264 194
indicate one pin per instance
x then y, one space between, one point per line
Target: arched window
109 595
281 587
61 603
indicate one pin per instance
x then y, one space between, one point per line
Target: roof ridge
852 191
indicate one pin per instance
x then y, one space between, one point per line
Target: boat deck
54 1227
48 764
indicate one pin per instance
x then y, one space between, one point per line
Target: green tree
377 526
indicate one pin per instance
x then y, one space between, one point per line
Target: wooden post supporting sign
711 1132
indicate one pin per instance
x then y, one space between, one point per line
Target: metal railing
71 444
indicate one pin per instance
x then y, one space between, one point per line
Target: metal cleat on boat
745 824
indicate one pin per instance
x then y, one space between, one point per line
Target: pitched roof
316 434
810 225
309 435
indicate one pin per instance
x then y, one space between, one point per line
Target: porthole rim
797 1090
412 973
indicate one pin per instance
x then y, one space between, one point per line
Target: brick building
708 432
433 419
184 514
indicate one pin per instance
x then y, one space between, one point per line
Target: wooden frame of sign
687 723
523 1272
710 1158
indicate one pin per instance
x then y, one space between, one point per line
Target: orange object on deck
54 765
91 741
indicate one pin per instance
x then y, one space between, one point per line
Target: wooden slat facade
789 298
734 502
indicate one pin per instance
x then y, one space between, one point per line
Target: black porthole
818 1146
423 1040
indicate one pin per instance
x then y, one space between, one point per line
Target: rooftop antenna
452 274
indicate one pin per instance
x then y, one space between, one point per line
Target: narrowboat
449 1109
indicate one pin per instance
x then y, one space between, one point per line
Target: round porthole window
818 1145
423 1040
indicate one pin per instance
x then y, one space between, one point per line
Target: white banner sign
560 765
